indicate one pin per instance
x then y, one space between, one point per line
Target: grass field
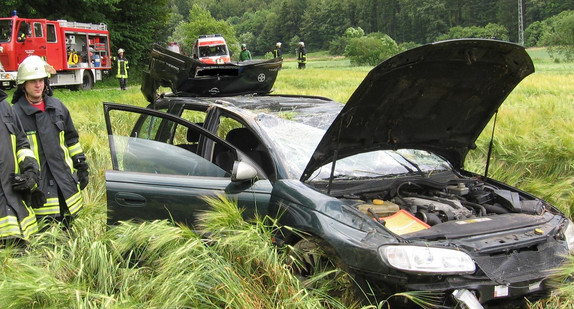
156 265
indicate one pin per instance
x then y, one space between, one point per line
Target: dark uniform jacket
277 53
17 220
122 67
55 143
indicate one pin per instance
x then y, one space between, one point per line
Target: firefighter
122 66
277 53
19 180
245 54
301 56
54 141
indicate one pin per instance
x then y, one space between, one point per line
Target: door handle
128 199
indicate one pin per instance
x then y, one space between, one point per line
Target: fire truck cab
211 49
79 52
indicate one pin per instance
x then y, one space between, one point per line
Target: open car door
158 174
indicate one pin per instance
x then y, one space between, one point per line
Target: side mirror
242 171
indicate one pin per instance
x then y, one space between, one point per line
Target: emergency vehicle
79 52
211 49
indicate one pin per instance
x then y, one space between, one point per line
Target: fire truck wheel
87 81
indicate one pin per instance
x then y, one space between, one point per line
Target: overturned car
378 183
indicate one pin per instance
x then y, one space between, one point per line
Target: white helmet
121 50
301 44
33 67
278 44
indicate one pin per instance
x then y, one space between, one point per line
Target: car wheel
87 81
317 265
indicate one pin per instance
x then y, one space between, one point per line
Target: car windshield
296 139
5 30
215 50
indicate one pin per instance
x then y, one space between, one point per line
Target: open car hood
437 97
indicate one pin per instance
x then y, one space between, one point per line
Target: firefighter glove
38 199
83 178
28 181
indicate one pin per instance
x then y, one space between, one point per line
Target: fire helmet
33 67
278 44
121 50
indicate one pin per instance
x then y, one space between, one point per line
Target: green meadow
159 265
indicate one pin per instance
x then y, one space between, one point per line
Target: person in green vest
122 66
245 54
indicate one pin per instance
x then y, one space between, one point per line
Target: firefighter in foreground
19 178
54 141
122 65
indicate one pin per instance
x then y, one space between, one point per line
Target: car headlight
427 259
569 235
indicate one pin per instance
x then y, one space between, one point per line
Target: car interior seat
246 141
192 138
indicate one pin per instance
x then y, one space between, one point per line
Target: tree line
136 24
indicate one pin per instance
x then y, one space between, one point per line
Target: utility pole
520 23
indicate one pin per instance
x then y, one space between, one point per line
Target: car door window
160 144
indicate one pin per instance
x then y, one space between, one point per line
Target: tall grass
159 265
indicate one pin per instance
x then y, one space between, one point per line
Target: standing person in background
301 56
122 66
54 141
19 178
277 53
245 54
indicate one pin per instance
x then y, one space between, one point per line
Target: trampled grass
158 265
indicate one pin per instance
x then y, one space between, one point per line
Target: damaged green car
377 183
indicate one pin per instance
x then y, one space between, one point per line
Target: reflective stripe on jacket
122 65
17 220
55 142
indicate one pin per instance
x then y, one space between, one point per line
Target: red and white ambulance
79 52
211 49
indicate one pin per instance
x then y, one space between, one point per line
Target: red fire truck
79 52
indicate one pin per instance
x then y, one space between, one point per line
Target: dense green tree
560 35
204 23
257 23
490 31
323 21
533 34
134 25
272 33
144 27
290 15
422 21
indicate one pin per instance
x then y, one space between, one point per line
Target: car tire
318 266
87 81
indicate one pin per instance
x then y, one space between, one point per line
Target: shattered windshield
5 30
295 140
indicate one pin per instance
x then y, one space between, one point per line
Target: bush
560 35
337 46
371 49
